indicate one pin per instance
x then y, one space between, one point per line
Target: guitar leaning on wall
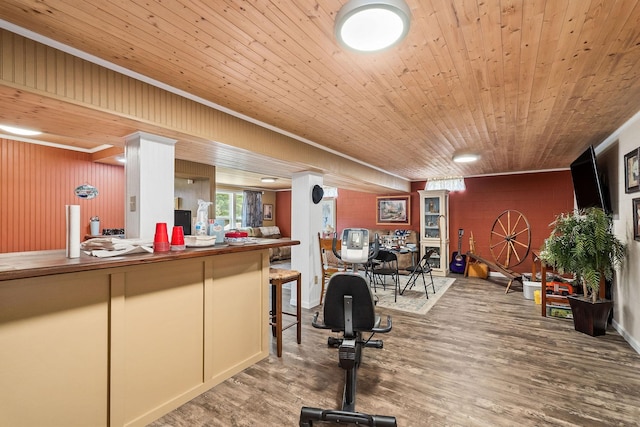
458 259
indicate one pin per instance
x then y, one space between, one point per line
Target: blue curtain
252 209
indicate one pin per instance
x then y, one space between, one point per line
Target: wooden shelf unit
545 299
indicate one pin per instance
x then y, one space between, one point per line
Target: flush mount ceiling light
372 25
268 180
19 131
465 158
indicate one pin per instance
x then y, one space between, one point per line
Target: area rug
413 300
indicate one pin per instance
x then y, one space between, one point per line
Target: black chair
349 308
387 266
419 270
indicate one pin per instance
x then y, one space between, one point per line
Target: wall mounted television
588 184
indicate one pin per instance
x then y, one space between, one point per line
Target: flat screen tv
587 182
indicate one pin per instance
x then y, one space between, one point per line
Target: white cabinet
434 229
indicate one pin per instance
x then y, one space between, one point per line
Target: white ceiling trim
55 145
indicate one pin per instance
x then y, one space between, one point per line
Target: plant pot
588 317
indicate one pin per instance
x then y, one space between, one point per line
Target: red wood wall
283 212
538 196
36 182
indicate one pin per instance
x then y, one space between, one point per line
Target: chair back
423 265
387 263
327 257
353 284
424 262
386 256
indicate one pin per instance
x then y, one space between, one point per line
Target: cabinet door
435 260
439 260
432 216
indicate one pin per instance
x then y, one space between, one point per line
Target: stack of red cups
161 238
177 238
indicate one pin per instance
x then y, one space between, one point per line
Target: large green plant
583 243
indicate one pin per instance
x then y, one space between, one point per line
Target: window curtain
451 183
252 209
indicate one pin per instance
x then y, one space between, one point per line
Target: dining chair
329 263
419 270
387 266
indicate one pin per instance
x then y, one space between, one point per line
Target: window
228 207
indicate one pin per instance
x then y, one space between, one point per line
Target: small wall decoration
393 210
328 215
636 219
267 212
86 191
631 174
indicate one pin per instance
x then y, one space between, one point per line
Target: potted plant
582 243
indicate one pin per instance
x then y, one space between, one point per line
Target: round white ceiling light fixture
466 158
372 25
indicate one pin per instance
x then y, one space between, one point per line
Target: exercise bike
349 308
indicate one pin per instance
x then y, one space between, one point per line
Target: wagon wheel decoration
510 239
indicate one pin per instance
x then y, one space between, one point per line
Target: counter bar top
20 265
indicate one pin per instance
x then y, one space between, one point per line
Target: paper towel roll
73 231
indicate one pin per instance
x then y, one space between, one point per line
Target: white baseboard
628 338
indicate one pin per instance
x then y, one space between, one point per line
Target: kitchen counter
18 265
121 341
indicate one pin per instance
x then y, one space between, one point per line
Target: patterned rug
413 300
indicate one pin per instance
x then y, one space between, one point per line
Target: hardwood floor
478 358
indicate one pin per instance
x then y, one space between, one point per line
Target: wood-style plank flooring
478 358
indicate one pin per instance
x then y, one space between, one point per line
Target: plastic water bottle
202 218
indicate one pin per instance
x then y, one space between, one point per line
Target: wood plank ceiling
528 84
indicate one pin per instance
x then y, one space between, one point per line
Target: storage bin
562 312
529 287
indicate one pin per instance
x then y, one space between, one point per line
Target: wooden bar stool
277 278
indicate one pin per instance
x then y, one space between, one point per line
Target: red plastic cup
177 238
161 239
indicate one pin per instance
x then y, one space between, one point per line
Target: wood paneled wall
36 182
539 196
283 212
118 105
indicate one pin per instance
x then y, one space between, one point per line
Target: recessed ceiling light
19 131
121 159
267 180
465 158
372 25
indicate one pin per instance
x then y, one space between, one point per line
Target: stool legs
299 308
277 326
279 318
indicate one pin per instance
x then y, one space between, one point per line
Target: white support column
306 222
149 175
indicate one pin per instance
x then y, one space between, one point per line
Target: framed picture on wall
636 219
267 212
631 176
328 215
393 210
